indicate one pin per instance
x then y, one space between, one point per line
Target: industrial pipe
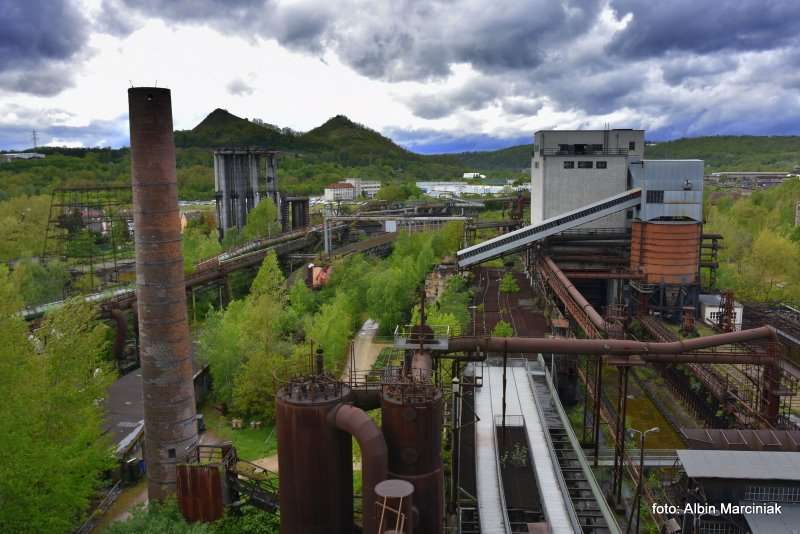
671 352
595 317
170 427
374 455
120 333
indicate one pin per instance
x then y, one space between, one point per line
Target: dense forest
760 259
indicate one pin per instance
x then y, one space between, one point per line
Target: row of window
584 148
586 164
655 196
772 493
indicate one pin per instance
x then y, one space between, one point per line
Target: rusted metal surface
374 456
169 403
315 459
603 275
577 306
672 352
412 424
120 333
666 253
200 495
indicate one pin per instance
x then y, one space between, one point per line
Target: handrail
573 517
608 515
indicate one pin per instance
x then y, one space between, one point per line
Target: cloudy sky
434 75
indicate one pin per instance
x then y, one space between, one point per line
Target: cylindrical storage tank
395 498
666 252
315 460
170 427
412 425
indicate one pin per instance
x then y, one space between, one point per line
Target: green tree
270 279
198 245
39 283
508 284
51 416
262 221
503 329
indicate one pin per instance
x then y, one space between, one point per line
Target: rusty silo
169 404
412 425
315 459
666 252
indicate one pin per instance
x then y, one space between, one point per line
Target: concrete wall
555 190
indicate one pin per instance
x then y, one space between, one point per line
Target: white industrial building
11 156
364 188
456 189
339 191
574 168
711 310
473 176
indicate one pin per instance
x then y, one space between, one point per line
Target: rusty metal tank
666 252
412 425
170 427
315 459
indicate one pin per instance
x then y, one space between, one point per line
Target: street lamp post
639 486
473 308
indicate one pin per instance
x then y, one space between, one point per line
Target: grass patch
251 443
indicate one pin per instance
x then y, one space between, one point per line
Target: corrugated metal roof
755 465
787 521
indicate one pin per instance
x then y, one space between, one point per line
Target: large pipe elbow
374 455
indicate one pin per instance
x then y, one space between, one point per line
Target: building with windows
736 492
364 188
573 168
339 191
711 310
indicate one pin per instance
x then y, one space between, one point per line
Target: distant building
11 156
364 188
711 309
473 176
456 189
339 191
750 179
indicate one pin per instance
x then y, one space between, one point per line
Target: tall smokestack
169 405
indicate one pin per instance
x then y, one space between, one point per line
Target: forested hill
221 128
720 153
341 148
733 153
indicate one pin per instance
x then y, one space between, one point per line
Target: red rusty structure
315 423
169 403
412 411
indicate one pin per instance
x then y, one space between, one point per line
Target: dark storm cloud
426 141
703 27
472 97
38 38
681 69
399 40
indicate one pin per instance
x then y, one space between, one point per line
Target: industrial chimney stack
169 404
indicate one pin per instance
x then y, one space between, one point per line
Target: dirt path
366 353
